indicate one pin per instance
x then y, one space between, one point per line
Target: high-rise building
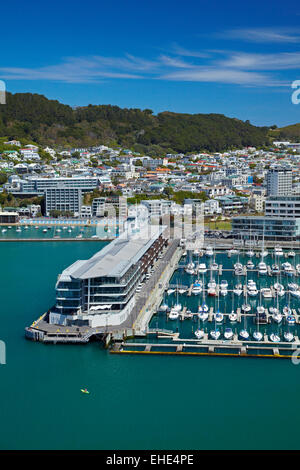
279 181
64 199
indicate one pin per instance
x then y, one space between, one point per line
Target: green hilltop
34 117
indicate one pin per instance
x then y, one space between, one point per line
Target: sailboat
244 333
232 316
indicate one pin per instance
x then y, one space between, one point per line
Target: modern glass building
280 206
100 291
272 228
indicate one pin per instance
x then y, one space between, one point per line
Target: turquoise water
136 402
58 231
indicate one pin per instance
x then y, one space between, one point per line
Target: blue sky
230 57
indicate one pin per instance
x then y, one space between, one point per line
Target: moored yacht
262 268
288 269
250 264
291 320
278 251
199 333
257 335
197 288
232 317
275 269
274 337
219 317
238 289
246 308
228 333
288 336
244 334
202 269
266 293
279 289
215 334
209 251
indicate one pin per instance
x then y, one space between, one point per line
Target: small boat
3 230
214 267
251 288
78 236
291 320
9 227
209 251
298 268
164 307
262 268
250 253
266 293
287 311
238 289
264 253
294 290
232 316
278 251
279 289
246 307
171 291
277 317
202 269
184 253
182 291
244 334
215 334
219 317
260 309
203 316
212 288
257 335
228 333
58 230
291 254
84 390
224 287
204 308
199 334
288 336
274 338
190 268
26 227
45 230
197 288
233 251
275 269
174 314
250 264
288 269
273 310
18 230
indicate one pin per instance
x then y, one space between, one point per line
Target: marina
203 304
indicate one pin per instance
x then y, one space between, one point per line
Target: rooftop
116 258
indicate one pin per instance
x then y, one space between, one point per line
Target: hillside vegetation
291 133
48 122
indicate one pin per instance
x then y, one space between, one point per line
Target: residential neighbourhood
85 182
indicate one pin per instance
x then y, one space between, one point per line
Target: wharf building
100 291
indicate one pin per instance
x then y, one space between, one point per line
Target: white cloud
278 35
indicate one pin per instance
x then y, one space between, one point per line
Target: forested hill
291 133
49 122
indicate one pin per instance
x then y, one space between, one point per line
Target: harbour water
53 228
135 402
